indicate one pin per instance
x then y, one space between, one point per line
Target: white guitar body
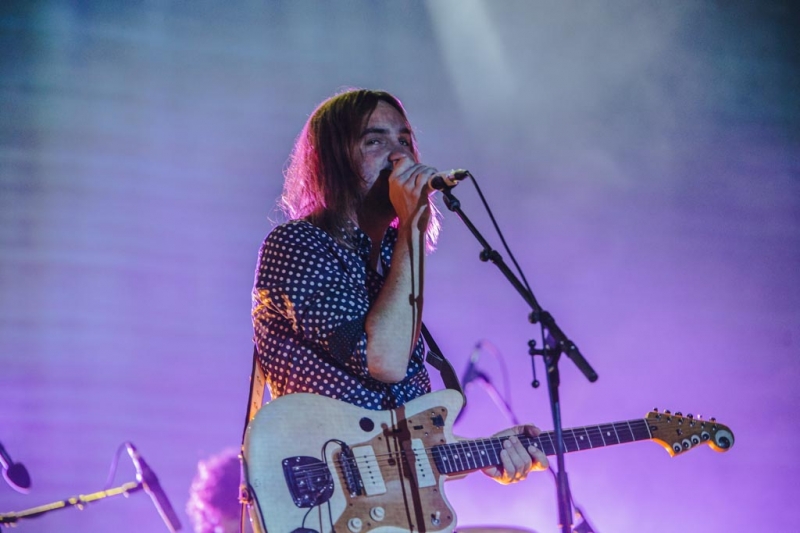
317 465
395 498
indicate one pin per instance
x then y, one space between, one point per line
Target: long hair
322 183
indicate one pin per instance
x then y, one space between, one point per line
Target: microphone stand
556 342
9 519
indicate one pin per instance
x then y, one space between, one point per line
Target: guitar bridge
352 478
309 480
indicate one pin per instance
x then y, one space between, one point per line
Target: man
338 296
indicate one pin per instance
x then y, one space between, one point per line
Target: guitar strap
258 380
441 363
255 400
258 383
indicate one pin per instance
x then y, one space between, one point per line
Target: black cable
500 358
343 446
500 233
112 471
575 506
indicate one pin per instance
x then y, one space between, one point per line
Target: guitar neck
469 455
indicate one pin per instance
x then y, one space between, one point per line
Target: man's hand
517 461
408 192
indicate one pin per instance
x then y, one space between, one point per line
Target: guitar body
383 481
317 465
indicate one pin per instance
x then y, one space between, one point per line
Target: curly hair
214 493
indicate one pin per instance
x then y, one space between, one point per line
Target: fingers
516 460
412 176
540 461
408 185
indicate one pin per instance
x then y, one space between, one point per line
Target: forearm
393 323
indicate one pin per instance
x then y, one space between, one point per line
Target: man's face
385 139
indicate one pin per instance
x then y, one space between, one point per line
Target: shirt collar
354 236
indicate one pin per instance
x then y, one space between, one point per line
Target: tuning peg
678 413
655 409
690 415
667 411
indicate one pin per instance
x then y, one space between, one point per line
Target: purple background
643 158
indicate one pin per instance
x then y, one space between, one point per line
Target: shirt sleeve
304 284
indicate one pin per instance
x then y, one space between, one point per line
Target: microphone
15 474
471 373
146 476
448 179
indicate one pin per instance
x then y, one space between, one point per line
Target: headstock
678 433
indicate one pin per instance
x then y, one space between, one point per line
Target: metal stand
556 343
9 519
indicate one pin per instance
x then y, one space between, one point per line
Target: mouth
383 175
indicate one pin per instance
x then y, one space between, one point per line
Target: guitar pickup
422 465
369 470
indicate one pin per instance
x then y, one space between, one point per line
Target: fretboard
467 455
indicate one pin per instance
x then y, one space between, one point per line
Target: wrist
417 223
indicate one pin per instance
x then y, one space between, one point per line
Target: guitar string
571 441
636 428
496 443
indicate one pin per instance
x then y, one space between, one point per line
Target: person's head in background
213 505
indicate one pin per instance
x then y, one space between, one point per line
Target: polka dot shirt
310 302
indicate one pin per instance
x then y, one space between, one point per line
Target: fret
609 434
537 442
595 436
478 454
472 459
553 440
493 445
462 459
483 453
533 441
570 445
640 429
551 443
584 439
496 445
464 454
440 459
527 440
577 441
458 459
624 432
490 454
548 445
633 433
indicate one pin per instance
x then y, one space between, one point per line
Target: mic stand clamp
556 343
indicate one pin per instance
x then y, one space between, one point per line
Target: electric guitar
318 465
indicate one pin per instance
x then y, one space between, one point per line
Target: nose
400 152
